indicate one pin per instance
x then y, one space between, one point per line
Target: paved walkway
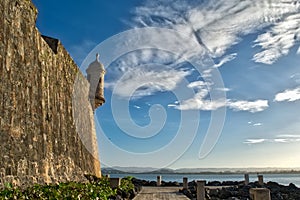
155 193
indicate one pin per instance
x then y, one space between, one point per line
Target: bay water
284 179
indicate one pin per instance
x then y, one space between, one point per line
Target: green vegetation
126 185
99 189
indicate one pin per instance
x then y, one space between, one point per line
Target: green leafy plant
126 184
99 190
95 189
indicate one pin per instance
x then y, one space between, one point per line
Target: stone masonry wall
41 131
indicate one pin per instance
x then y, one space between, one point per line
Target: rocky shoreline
127 188
228 190
239 191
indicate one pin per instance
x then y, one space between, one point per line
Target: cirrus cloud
277 139
219 24
201 101
142 82
254 141
277 41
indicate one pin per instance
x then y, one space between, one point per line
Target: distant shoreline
204 173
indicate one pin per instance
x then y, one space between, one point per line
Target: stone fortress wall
45 135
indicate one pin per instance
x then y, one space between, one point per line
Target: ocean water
283 179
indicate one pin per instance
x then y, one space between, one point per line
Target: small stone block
158 183
260 194
185 183
201 190
246 179
115 182
260 179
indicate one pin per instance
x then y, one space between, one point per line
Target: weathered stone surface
156 193
40 138
260 194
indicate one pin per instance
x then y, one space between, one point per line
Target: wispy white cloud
226 59
215 26
172 105
197 103
285 140
223 89
207 73
298 51
281 140
142 58
277 41
277 139
288 95
257 124
295 77
251 106
219 24
201 101
145 72
198 84
289 136
142 82
137 107
148 104
254 141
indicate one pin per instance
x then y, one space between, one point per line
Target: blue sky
223 92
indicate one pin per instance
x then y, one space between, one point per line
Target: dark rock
170 183
292 186
224 193
229 183
244 191
192 183
193 190
132 194
213 192
188 193
214 183
176 184
137 188
277 196
272 184
152 183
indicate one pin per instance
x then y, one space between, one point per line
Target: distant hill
122 170
150 170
